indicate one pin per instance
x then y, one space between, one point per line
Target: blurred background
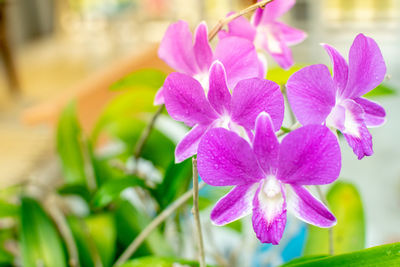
53 51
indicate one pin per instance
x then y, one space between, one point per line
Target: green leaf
95 238
159 149
75 189
158 262
176 181
303 259
130 222
349 232
40 241
147 78
69 146
102 229
380 256
87 250
112 189
280 76
130 104
8 210
381 90
6 258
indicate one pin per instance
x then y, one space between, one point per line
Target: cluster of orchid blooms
235 114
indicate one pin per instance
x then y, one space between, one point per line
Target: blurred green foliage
116 200
69 146
40 242
349 232
380 256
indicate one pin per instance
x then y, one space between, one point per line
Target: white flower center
342 119
265 37
271 187
202 78
226 122
271 197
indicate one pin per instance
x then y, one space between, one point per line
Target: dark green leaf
40 241
87 250
95 238
380 256
112 189
176 181
349 232
381 90
145 78
75 189
130 222
69 146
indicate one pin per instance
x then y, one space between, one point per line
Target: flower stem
222 22
288 130
330 230
195 211
146 132
154 224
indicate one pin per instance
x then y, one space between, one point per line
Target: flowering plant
235 142
263 172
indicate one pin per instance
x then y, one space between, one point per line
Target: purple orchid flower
267 33
317 98
269 177
185 100
179 51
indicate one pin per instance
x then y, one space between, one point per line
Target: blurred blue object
290 247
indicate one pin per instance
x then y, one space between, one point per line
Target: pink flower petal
265 144
284 58
269 215
241 27
367 67
202 48
263 65
274 10
239 58
252 96
176 48
307 208
374 113
224 158
355 131
187 147
185 100
337 117
270 38
290 35
159 97
311 93
218 94
234 205
309 155
340 68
